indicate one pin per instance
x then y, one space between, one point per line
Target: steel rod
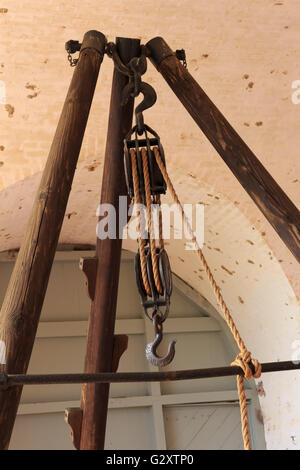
9 380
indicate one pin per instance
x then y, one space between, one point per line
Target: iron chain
72 47
73 62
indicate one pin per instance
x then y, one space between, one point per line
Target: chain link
72 47
73 62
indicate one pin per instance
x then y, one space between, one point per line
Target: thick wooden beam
279 210
100 340
24 298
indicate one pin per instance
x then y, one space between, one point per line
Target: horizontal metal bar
9 380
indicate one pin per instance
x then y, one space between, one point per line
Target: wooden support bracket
120 346
73 417
89 268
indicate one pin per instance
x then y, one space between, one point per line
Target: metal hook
152 347
148 101
138 66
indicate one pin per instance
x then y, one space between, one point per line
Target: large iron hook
148 101
152 347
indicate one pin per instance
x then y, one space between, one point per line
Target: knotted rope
243 359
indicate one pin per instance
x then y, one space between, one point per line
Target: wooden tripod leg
24 298
73 416
99 354
278 209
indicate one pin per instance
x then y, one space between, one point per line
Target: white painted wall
193 414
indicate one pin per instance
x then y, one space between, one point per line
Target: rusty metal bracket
95 40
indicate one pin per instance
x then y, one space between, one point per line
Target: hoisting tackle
145 184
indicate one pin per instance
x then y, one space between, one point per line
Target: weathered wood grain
73 417
24 298
100 339
278 209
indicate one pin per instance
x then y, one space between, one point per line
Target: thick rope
243 359
150 228
141 241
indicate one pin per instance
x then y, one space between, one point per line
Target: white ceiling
244 55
